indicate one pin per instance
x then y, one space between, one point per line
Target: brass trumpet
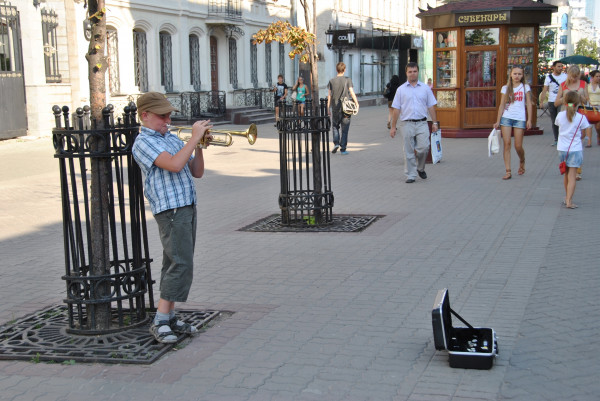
220 137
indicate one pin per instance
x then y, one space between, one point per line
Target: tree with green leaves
302 41
587 47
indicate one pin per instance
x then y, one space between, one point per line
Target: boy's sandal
508 175
181 327
163 333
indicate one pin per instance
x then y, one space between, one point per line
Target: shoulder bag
348 105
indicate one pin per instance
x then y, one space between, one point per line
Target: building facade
194 46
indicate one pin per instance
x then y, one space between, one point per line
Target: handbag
562 166
591 113
493 143
436 146
348 105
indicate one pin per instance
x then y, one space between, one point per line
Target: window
233 72
562 53
253 64
282 59
482 37
563 39
195 62
10 42
112 45
140 61
268 70
49 25
564 22
166 71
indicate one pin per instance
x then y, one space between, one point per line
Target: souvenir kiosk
475 45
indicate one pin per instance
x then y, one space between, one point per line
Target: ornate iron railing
263 98
88 155
193 105
306 197
230 9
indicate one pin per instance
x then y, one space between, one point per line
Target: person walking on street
514 115
281 90
551 86
390 90
572 127
573 84
301 93
411 103
594 92
339 88
169 167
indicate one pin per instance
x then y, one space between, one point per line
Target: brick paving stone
343 316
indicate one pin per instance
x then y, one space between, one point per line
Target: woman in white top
594 93
572 127
514 115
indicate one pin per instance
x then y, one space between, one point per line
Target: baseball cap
154 102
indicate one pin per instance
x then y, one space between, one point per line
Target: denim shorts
509 122
575 158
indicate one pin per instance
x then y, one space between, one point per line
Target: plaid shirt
164 190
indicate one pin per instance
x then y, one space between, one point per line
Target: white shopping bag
436 146
493 143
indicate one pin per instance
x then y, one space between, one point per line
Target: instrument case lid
441 317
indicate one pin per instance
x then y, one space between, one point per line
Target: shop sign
487 60
416 42
345 37
495 17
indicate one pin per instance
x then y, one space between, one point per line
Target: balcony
224 11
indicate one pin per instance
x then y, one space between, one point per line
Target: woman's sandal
508 175
522 167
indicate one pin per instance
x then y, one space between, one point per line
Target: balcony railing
229 9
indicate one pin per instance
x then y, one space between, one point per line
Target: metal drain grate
342 223
42 337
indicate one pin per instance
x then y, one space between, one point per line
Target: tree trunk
100 167
310 19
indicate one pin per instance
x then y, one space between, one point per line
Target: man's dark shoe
410 180
422 174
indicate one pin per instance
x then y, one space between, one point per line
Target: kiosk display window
445 39
446 99
446 69
520 50
482 37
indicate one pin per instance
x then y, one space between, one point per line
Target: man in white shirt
412 102
551 86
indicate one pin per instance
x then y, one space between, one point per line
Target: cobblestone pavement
342 316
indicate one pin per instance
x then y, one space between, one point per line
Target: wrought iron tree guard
121 290
306 196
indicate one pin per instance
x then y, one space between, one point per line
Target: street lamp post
340 40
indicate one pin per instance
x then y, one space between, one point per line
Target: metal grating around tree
42 337
342 223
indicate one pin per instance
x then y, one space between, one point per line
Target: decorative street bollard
305 197
114 300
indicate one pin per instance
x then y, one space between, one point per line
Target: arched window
112 44
140 60
195 62
564 22
233 71
253 64
166 70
